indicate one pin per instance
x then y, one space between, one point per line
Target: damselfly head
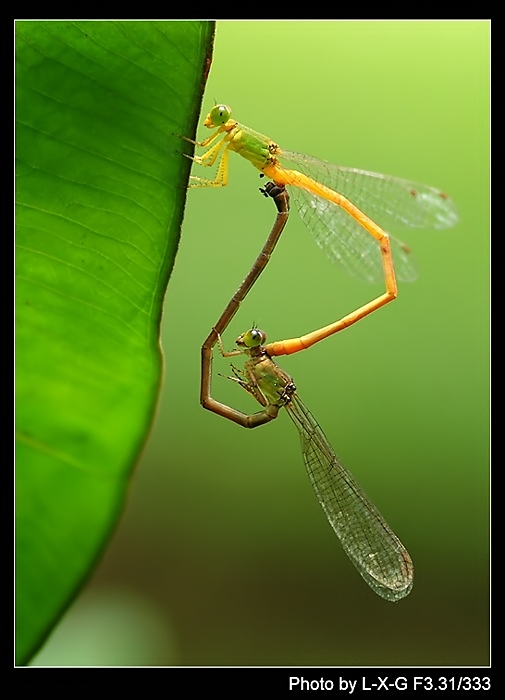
252 338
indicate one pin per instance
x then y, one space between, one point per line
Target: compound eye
219 115
254 338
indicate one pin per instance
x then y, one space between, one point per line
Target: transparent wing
367 539
387 200
347 243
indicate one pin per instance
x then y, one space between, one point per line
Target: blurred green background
223 556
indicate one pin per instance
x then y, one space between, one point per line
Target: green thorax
253 146
275 385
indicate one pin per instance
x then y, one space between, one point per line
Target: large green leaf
100 195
